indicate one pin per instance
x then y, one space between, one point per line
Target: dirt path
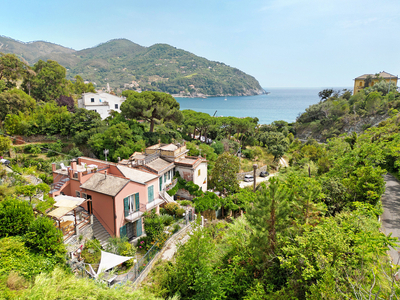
391 215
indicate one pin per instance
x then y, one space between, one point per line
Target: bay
280 104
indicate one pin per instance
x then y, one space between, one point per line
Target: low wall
240 176
170 241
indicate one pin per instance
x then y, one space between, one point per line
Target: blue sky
282 43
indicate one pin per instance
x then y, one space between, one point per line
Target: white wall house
102 103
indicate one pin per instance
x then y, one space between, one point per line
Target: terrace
70 217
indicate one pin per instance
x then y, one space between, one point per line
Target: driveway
391 215
243 184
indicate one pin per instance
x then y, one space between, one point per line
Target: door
130 230
139 227
90 207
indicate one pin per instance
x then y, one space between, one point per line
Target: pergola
65 214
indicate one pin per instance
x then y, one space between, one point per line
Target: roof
136 175
382 74
68 201
159 164
60 211
105 184
170 147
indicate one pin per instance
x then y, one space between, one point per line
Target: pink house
118 196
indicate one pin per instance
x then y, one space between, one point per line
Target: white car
248 178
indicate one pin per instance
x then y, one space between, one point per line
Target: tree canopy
150 106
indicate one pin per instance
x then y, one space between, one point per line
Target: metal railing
145 261
133 215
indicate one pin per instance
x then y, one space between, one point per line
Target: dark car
264 174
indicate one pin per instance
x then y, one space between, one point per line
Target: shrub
167 219
91 252
171 208
185 203
43 237
16 256
176 228
15 281
153 225
15 217
179 212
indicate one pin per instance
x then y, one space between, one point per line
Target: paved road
391 214
243 184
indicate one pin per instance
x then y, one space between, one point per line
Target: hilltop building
359 82
102 103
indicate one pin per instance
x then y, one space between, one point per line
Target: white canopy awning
110 260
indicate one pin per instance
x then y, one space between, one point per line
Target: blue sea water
280 104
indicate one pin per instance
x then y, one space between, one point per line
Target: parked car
264 174
248 178
5 162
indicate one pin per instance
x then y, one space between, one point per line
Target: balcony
154 203
131 216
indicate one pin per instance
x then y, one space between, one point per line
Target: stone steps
100 233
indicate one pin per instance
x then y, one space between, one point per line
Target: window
94 110
84 195
169 174
92 100
165 177
116 106
198 172
150 193
131 204
100 100
78 194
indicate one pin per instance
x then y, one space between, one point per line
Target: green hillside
126 65
33 50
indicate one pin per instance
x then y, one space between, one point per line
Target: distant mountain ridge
127 65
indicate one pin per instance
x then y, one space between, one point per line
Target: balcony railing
154 203
131 216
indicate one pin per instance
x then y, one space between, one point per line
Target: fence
142 265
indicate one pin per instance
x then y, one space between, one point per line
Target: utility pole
254 176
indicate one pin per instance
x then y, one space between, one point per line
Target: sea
279 104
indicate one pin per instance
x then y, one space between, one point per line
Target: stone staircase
167 197
100 233
58 185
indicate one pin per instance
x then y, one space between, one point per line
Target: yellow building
359 82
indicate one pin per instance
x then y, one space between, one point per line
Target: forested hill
126 65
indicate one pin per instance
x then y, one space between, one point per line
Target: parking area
243 184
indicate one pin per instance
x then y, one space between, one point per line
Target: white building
102 103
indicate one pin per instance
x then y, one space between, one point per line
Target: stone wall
240 176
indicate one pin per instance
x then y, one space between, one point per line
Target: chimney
73 164
105 173
119 159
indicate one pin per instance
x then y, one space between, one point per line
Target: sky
282 43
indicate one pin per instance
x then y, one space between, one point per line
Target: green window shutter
122 231
165 177
126 206
160 183
150 193
139 227
137 201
